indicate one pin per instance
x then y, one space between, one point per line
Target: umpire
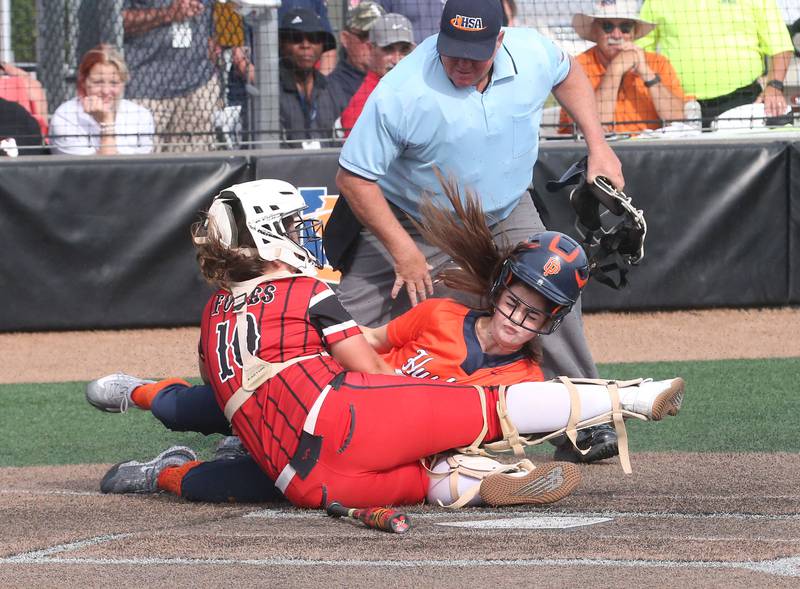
467 101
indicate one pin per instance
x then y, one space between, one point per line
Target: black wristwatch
777 84
652 81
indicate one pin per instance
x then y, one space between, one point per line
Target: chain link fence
218 75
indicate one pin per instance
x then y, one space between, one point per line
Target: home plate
528 523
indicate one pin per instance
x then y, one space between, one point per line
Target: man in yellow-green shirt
718 49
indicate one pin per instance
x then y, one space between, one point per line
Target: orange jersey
437 340
634 103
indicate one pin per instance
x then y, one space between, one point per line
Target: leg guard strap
511 437
616 414
475 447
619 426
513 441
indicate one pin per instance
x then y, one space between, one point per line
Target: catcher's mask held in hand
614 230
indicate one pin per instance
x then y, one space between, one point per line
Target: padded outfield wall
104 242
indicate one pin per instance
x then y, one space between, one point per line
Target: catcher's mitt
611 228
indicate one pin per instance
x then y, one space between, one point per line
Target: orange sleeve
595 77
669 77
408 326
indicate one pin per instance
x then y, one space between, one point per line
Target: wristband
107 129
653 81
777 84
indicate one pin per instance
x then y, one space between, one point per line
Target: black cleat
600 439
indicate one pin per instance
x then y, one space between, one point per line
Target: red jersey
287 318
437 339
353 109
15 89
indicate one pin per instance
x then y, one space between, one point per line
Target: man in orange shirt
635 89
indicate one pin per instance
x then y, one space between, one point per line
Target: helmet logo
552 266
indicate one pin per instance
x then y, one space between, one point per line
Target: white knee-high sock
538 407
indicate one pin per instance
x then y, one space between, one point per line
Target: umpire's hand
413 271
604 162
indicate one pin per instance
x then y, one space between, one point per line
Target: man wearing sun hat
635 90
468 102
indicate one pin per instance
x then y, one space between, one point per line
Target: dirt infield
680 520
677 521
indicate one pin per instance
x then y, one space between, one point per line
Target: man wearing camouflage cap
391 39
355 55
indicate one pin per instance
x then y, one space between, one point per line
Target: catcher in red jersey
305 392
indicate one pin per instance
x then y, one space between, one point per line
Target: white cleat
112 393
545 484
655 399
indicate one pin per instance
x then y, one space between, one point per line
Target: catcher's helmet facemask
616 231
551 263
271 212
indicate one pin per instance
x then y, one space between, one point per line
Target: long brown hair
221 265
467 239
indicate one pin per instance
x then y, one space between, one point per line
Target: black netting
223 75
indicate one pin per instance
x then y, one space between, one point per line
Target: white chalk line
783 567
47 552
46 492
789 567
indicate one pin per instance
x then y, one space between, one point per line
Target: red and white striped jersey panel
287 318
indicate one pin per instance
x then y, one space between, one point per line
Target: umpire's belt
307 453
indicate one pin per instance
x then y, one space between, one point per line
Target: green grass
730 406
53 424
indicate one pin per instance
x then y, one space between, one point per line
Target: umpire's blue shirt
416 119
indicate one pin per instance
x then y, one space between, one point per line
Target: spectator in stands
354 38
170 50
19 131
19 86
424 15
509 13
635 90
718 48
234 36
327 61
309 104
391 38
99 120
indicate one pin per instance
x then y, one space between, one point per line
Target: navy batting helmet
552 264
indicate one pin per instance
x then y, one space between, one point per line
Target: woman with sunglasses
330 421
635 90
309 105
